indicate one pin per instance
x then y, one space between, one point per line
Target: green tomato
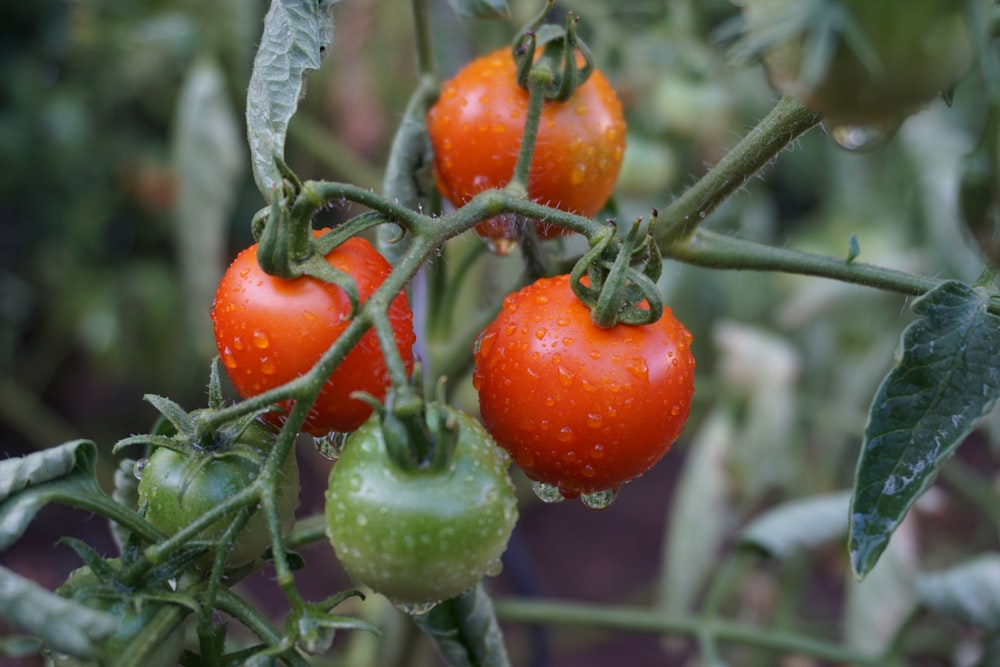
419 535
132 614
908 51
176 490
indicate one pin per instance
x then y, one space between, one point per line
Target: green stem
538 81
641 620
423 35
784 124
710 249
96 501
307 531
236 607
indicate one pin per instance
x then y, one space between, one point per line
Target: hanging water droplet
598 500
315 639
864 137
415 608
330 445
139 466
547 493
494 568
501 246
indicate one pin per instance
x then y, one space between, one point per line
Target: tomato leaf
62 624
798 525
297 34
208 159
30 482
946 381
968 593
701 517
481 9
464 630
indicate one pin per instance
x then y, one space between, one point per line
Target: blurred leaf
877 607
968 593
19 647
464 630
945 383
481 9
30 482
799 525
208 160
700 517
63 624
297 34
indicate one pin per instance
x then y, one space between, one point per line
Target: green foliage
945 383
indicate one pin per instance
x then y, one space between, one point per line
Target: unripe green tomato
131 616
419 536
176 490
914 50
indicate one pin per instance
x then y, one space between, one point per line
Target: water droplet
567 341
244 273
864 137
565 377
494 568
546 492
638 368
598 452
540 332
414 608
595 420
598 500
565 434
309 315
541 299
563 321
260 340
330 445
228 359
267 366
139 466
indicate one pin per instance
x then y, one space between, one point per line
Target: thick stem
538 82
784 124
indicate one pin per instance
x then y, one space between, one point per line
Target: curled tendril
621 277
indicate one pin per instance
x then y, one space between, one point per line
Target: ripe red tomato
476 127
581 408
271 330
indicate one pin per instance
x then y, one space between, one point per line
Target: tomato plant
877 61
176 489
420 534
578 407
476 126
131 613
271 330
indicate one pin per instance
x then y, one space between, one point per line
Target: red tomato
581 408
271 330
476 127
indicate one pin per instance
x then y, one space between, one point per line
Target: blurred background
125 190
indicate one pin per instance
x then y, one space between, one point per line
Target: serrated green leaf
208 159
30 482
946 381
297 34
465 631
481 9
799 525
968 593
62 624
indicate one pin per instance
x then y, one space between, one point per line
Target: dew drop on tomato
599 500
547 493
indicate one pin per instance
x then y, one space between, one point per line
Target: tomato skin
270 330
420 536
581 408
476 127
921 47
176 490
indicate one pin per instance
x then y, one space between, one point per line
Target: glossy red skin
578 407
270 330
476 128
